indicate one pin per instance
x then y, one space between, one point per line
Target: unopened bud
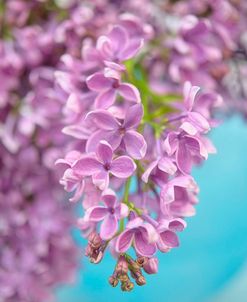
94 240
141 260
96 257
122 266
127 286
151 266
141 280
113 281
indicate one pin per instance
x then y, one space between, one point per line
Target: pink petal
134 223
169 238
87 166
177 225
101 180
196 145
104 152
149 170
142 247
109 198
123 211
190 94
124 241
118 37
167 195
98 82
171 143
104 46
132 49
129 92
133 116
188 128
109 227
184 159
105 99
103 119
123 167
77 131
78 192
112 137
199 121
97 213
149 232
135 144
166 165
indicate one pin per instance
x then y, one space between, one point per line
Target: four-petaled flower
100 164
110 214
142 235
118 133
109 87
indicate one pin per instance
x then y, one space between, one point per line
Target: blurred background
211 263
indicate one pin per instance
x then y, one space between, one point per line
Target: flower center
111 210
122 130
107 166
115 84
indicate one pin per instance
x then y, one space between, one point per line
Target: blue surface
213 248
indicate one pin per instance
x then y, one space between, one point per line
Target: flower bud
151 266
127 286
122 267
96 257
141 260
113 281
141 280
94 240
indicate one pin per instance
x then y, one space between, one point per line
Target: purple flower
187 149
117 133
110 214
167 230
142 235
176 196
117 46
101 164
108 88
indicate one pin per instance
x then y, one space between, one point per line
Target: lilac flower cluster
112 94
135 151
208 47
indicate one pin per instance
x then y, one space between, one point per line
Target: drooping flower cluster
136 148
109 87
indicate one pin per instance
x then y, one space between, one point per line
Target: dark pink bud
151 266
94 240
141 260
96 257
122 266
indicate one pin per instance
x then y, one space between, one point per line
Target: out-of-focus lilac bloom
108 88
117 132
142 235
100 165
110 214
